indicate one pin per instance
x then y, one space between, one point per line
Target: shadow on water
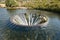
21 33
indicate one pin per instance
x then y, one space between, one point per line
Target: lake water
51 32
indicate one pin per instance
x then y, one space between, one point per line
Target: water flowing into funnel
29 19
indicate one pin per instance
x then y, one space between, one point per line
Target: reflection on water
51 32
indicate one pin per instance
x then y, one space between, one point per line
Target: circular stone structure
25 21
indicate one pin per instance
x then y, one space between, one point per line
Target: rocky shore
2 6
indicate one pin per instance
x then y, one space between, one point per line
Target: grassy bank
49 5
52 5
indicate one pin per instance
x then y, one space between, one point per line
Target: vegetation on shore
51 5
2 2
11 3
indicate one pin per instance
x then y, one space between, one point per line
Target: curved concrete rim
39 25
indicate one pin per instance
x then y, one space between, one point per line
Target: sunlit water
51 32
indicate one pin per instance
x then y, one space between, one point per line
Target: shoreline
13 8
17 8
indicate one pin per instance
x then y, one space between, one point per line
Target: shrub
11 3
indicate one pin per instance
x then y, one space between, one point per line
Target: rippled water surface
51 32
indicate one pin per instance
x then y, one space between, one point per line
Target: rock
2 5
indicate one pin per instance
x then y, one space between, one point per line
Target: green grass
53 5
2 2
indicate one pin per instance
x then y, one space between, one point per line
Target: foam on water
28 19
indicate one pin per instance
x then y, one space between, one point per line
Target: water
51 32
29 19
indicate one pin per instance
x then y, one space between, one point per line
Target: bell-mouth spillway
29 19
